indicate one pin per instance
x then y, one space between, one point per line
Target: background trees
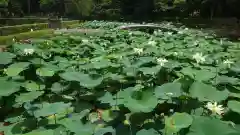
127 9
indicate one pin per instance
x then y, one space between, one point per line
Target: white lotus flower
169 94
196 43
186 29
175 54
162 61
180 32
67 97
155 32
171 110
4 70
228 62
169 33
138 50
216 109
130 33
28 51
152 42
199 57
31 30
93 117
13 40
85 41
180 53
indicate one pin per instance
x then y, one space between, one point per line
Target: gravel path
75 30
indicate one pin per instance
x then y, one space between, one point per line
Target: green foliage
80 7
4 2
174 81
46 2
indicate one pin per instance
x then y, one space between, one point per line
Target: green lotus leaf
168 90
109 115
33 86
234 106
14 118
40 132
7 129
58 87
147 132
38 61
150 71
6 58
107 98
208 126
101 64
45 72
81 106
28 97
103 131
143 60
8 87
137 101
177 122
78 127
205 92
198 75
84 79
47 109
16 68
226 80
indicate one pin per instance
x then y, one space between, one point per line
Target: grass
8 30
6 40
70 24
20 21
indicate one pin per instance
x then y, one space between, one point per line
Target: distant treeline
121 9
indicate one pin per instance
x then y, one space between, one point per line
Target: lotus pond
174 81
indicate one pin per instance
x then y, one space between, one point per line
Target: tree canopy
128 9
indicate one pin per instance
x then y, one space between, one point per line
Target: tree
3 7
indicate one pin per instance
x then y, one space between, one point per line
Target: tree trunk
29 6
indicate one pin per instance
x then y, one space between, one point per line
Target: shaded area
221 27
